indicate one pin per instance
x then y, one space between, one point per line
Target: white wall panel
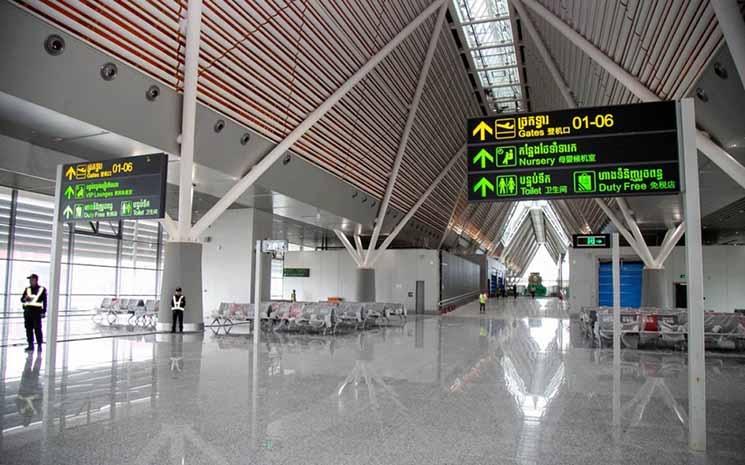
333 274
227 258
724 275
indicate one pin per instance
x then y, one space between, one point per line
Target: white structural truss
406 133
733 27
188 119
712 150
280 149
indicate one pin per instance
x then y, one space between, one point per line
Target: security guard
34 300
178 303
482 302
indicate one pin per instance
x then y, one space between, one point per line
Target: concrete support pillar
654 292
182 268
365 285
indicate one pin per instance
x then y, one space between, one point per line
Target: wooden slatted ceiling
665 44
268 64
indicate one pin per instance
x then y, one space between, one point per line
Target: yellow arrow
483 128
70 173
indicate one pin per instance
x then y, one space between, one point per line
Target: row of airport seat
656 326
138 312
309 316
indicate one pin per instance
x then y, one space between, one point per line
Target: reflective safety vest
482 298
34 300
178 303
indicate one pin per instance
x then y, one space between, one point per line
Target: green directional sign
483 185
591 241
123 188
623 150
482 158
296 273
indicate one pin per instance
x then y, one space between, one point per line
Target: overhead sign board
591 241
296 273
624 150
273 245
124 188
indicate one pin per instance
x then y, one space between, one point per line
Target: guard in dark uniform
178 303
34 300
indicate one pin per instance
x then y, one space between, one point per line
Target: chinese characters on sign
125 188
588 152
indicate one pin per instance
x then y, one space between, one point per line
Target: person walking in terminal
514 290
482 302
34 300
293 296
178 303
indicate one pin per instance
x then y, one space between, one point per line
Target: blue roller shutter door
631 284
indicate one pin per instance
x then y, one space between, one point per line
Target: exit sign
591 241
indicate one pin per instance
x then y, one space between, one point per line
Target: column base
182 268
365 285
654 293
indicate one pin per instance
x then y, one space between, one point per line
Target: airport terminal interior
372 232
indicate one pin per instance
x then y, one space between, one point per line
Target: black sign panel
580 122
575 182
625 150
591 241
587 152
124 188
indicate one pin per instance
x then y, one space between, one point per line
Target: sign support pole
694 263
257 296
54 279
616 252
255 355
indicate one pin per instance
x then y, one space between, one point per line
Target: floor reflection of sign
175 437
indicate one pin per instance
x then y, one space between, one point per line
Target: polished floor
518 385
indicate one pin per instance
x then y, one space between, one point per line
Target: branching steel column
347 245
425 195
433 41
733 28
668 244
622 229
279 150
714 152
358 244
188 119
170 226
631 223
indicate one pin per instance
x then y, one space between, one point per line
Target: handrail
458 298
